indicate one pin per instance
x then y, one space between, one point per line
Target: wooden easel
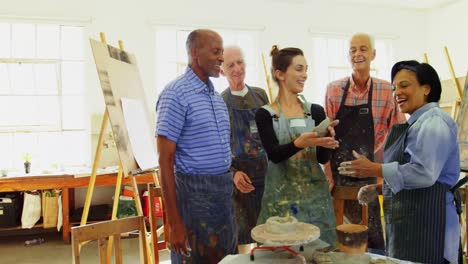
267 76
145 254
454 105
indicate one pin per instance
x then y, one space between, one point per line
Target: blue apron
205 205
414 219
249 157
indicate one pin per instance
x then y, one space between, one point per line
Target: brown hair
282 58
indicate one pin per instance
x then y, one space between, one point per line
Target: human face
408 93
234 68
295 76
361 54
208 55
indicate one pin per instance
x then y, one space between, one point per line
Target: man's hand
361 167
243 182
367 194
177 233
178 239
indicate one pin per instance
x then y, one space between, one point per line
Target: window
42 96
330 62
171 55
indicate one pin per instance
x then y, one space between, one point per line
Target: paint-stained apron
206 207
249 157
298 186
414 219
356 132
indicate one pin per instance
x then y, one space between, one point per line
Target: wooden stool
154 192
102 230
342 193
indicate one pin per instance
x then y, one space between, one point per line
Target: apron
297 186
205 205
356 132
414 219
249 157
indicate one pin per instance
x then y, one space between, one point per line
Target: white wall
286 23
449 28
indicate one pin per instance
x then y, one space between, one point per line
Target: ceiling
399 4
403 4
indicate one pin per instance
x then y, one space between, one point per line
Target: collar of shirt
197 84
353 86
421 110
240 93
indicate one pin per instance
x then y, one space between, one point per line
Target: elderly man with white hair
249 160
366 110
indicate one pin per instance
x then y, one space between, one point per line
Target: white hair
234 47
360 34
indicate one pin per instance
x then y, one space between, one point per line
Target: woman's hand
309 139
361 167
243 182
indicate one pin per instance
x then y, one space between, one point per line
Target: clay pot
352 239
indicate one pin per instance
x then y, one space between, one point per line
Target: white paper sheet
139 131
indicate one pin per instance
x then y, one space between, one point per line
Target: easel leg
115 205
92 180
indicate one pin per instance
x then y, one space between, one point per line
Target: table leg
66 216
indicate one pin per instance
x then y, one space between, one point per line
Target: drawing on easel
120 80
462 123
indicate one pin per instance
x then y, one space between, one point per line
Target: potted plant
27 162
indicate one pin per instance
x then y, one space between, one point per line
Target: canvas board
119 78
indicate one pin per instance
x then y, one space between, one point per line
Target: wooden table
67 183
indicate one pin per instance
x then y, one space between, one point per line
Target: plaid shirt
384 108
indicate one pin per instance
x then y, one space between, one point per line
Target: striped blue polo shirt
193 115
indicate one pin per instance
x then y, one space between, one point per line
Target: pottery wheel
303 234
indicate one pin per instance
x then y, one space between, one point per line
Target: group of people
230 161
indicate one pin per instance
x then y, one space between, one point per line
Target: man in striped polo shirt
193 138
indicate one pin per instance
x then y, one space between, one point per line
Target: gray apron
248 156
414 219
205 205
297 186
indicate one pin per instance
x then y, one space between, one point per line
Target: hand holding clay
367 194
326 127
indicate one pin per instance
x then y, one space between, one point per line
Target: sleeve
428 150
170 115
329 107
263 96
275 151
318 114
